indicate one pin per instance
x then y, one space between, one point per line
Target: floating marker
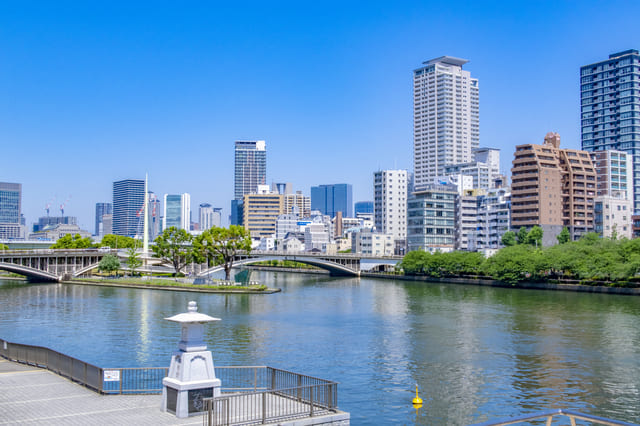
417 401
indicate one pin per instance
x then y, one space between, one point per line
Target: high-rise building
446 117
209 216
484 169
329 199
494 217
177 211
10 210
101 210
614 173
610 108
261 211
390 203
250 171
128 204
552 188
297 204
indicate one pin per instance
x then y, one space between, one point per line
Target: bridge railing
549 416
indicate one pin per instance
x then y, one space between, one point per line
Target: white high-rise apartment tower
446 119
390 202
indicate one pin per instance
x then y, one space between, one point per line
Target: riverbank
582 288
169 286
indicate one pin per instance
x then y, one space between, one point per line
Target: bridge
60 265
343 264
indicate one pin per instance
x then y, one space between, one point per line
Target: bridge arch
30 273
335 269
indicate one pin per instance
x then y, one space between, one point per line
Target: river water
476 353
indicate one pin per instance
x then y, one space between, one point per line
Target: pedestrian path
34 396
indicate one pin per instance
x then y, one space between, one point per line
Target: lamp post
191 374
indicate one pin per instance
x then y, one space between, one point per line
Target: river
476 353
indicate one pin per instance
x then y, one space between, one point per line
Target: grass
173 284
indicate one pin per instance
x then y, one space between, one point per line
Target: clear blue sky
90 94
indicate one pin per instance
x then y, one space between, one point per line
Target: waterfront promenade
35 396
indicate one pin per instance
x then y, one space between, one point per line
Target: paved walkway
34 396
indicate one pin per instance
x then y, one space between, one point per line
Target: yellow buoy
417 400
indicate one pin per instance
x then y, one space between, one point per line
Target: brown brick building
552 188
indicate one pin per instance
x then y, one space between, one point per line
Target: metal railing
102 380
251 394
267 395
79 371
549 417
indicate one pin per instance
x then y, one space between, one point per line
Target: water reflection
476 353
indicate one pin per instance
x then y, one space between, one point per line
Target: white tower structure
446 118
390 202
191 374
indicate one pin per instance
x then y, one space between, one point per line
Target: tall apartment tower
101 210
177 211
128 203
390 203
552 188
10 210
610 108
446 117
250 171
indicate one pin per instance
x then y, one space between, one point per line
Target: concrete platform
34 396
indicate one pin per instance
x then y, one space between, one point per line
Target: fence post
311 400
120 382
264 408
273 379
330 391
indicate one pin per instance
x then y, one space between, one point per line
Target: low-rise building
372 243
55 232
613 215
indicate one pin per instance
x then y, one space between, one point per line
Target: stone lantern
191 375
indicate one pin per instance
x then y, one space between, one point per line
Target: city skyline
93 95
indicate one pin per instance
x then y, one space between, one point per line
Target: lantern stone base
191 378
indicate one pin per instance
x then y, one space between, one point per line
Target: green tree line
591 258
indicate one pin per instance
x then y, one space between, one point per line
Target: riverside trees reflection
591 259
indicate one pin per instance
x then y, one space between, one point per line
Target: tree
509 239
564 236
4 247
534 236
72 242
174 246
522 236
133 259
117 241
109 263
221 246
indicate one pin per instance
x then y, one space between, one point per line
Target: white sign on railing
111 375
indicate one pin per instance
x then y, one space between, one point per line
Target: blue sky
92 93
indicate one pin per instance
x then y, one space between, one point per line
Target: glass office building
128 203
10 209
330 199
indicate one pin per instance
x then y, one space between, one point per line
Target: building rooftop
449 60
